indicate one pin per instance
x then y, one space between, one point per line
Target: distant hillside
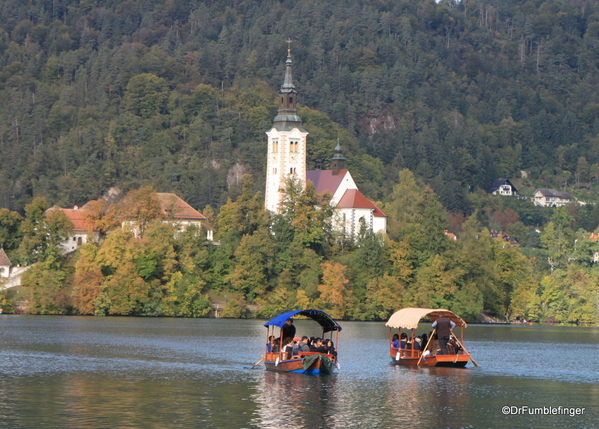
177 94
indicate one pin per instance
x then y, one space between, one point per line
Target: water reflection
156 373
293 400
426 397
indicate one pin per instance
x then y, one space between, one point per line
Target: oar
257 363
462 346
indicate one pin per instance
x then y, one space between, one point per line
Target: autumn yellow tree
335 297
139 208
88 280
100 217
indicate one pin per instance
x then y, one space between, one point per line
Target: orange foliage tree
335 297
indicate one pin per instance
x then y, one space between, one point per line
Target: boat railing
412 354
404 353
272 356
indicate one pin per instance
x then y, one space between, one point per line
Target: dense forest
431 102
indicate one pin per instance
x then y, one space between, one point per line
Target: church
286 156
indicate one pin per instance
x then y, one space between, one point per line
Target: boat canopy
323 319
408 318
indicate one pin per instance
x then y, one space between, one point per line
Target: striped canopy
408 318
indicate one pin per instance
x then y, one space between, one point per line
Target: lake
116 372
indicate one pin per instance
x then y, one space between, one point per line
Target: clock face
294 158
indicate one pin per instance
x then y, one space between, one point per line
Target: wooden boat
302 362
408 318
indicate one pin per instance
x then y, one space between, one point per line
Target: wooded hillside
177 94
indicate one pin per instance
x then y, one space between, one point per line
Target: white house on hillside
81 228
551 198
174 209
503 187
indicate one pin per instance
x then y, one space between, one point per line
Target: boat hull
296 364
449 361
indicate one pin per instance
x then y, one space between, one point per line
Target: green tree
9 230
146 95
305 216
43 231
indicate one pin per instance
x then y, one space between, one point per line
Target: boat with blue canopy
284 349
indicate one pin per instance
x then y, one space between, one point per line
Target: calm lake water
86 372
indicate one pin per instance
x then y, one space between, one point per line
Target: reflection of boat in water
408 353
305 362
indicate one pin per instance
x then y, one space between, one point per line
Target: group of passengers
293 346
423 344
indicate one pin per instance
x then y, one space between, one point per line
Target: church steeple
338 163
287 117
287 146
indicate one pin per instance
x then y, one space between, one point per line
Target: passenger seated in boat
417 343
270 344
452 347
288 349
297 345
276 346
404 341
395 341
433 345
304 346
424 341
330 347
317 346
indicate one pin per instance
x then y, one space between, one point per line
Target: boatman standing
443 326
288 330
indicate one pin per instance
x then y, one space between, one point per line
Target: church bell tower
286 143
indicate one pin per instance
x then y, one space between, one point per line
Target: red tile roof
3 258
171 204
325 181
356 199
77 216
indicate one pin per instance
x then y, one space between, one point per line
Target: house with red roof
181 213
174 209
352 207
82 230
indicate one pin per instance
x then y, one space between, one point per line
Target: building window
274 170
275 146
292 170
294 146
